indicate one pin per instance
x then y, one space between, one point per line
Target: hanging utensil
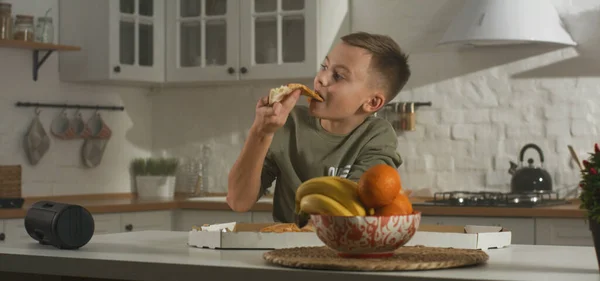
397 120
36 141
575 157
403 118
410 117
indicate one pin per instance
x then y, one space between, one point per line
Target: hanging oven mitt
92 151
96 134
37 141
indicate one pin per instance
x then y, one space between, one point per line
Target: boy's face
344 82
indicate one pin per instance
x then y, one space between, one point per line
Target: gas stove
494 199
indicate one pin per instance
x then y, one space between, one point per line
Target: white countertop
164 255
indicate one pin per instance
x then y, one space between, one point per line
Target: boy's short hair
387 60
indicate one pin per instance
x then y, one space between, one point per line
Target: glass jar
24 29
5 21
44 30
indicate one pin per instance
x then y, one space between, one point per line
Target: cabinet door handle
2 236
243 70
231 70
129 227
117 69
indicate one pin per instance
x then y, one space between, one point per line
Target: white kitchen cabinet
566 232
523 229
2 234
150 220
180 41
120 40
262 217
186 219
230 40
14 231
107 223
203 38
287 38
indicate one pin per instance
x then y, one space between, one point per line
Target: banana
323 205
342 190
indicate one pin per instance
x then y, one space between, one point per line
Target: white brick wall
487 102
463 132
217 117
491 113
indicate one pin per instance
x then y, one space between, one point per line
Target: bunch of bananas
329 195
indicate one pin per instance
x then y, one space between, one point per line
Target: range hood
505 22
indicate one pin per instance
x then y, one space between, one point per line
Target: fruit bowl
366 236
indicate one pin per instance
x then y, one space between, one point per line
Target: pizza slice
286 227
277 94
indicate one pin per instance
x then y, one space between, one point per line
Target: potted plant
590 195
155 177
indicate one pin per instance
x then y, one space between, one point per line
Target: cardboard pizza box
234 235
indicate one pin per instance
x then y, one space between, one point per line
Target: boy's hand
270 118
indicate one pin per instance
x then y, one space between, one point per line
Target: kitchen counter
127 203
164 256
570 210
115 203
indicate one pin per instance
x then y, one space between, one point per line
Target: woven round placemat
404 259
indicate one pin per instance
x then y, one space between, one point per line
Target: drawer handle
2 236
129 227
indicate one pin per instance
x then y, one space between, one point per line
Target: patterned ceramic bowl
368 236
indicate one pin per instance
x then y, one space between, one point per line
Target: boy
336 137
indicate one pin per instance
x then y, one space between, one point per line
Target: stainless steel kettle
526 179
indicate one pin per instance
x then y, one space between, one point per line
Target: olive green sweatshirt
302 150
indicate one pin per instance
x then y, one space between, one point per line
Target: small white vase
155 186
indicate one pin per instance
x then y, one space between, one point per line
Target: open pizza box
462 237
248 236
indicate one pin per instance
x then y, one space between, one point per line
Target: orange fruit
379 186
400 206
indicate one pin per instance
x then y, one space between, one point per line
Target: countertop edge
158 255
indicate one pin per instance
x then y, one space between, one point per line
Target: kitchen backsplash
60 171
217 117
487 103
490 102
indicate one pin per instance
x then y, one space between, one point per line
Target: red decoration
596 148
593 171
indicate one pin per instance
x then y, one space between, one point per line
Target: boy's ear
375 103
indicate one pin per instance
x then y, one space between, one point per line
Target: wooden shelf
36 47
17 44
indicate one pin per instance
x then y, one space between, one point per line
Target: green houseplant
590 195
155 177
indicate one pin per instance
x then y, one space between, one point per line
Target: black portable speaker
63 226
